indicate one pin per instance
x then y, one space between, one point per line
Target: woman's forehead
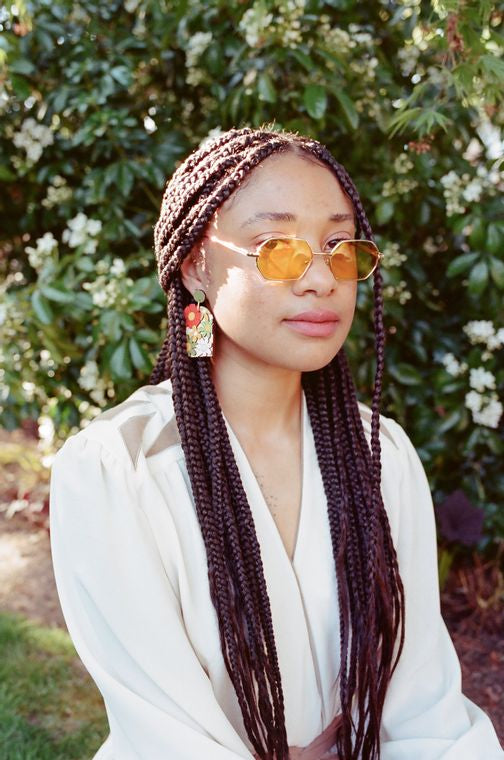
285 188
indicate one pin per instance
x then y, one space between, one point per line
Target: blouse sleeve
425 715
124 616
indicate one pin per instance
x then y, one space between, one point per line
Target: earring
199 327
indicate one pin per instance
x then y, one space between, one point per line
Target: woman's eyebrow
286 216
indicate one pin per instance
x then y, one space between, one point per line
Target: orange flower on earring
192 315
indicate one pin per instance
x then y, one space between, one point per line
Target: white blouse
131 572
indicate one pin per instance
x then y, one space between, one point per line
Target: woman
245 555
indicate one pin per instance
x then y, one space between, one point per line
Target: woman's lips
318 324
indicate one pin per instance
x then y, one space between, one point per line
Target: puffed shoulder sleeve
124 616
425 715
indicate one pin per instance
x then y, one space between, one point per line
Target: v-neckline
253 479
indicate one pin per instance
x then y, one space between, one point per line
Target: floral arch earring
199 327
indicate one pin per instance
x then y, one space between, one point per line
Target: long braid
370 594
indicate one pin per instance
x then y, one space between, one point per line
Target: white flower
480 378
33 138
88 376
496 341
28 390
118 268
196 46
254 23
57 193
42 251
93 227
453 366
392 256
473 191
45 429
81 231
479 330
473 401
490 415
403 164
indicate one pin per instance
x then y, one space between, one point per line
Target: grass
50 708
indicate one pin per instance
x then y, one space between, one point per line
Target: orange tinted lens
354 259
283 258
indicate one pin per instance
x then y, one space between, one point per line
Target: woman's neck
258 401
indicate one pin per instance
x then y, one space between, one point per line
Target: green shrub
100 100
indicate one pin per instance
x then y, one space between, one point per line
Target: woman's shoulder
141 426
392 434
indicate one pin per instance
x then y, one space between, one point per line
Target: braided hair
370 592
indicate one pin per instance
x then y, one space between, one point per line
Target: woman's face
259 320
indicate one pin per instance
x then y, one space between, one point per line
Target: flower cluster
90 380
33 138
365 68
481 399
403 164
408 58
461 190
482 331
254 23
195 47
81 232
486 410
335 38
392 256
288 23
453 366
398 292
44 248
110 288
58 192
398 187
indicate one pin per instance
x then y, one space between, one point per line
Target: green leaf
302 58
315 100
110 323
405 374
477 236
125 178
478 278
348 107
139 356
266 88
22 66
42 308
85 264
20 86
448 422
120 362
495 237
461 263
493 66
384 211
122 75
497 271
56 294
6 175
147 335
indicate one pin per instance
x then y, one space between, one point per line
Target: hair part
370 592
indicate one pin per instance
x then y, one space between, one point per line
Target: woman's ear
192 270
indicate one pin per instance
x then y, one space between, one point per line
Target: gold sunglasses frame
256 254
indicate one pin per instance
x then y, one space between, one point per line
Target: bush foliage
100 100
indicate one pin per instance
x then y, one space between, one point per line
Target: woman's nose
318 278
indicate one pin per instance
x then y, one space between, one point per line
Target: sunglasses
289 258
